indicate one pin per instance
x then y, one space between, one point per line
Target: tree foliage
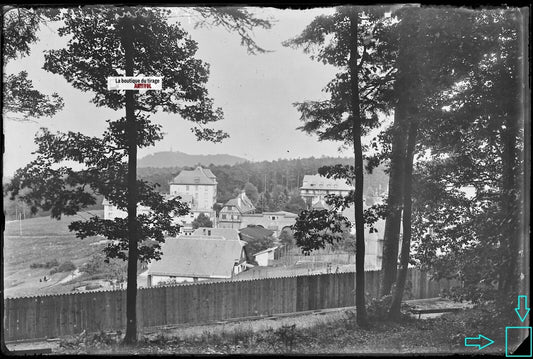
359 92
21 101
476 142
202 221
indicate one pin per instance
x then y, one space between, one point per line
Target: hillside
180 159
40 240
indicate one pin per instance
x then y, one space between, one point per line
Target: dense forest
271 185
268 177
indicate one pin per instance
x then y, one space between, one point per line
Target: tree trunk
131 134
391 236
394 311
358 166
511 203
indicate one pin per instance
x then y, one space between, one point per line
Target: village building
373 241
226 233
266 256
197 258
230 215
315 188
111 211
275 221
201 185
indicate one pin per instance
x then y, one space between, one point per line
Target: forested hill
176 159
283 174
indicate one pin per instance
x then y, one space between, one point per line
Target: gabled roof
255 232
199 175
226 233
242 203
321 204
197 256
324 183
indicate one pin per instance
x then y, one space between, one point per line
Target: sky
256 93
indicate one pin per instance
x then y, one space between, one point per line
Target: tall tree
130 42
357 95
433 50
477 142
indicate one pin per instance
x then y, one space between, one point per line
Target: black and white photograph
250 180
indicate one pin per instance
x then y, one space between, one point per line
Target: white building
262 258
199 183
316 187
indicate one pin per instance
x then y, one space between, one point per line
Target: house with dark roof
257 239
230 215
197 258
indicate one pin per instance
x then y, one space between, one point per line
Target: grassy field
39 240
324 333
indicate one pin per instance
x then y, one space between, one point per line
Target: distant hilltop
180 159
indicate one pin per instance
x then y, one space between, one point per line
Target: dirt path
70 277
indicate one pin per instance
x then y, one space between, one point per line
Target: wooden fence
66 314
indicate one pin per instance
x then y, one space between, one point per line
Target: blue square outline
530 342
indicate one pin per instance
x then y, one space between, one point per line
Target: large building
197 188
315 188
201 185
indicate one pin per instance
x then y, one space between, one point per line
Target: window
196 187
224 216
187 187
273 218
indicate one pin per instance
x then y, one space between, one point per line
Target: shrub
378 309
93 286
49 264
287 334
52 263
64 267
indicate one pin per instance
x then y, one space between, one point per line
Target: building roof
199 175
323 183
281 213
197 256
256 232
242 203
266 250
226 233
